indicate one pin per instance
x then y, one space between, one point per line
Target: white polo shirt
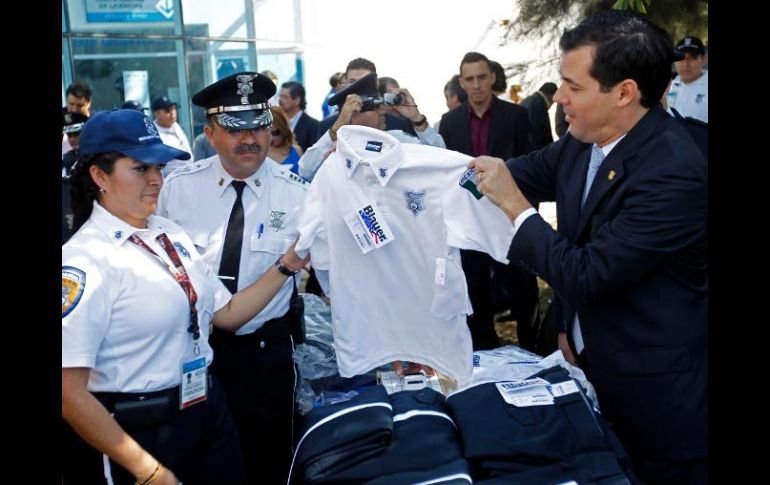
124 316
407 299
690 99
199 198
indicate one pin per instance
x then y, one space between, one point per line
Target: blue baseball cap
129 132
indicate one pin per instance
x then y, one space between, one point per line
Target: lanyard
181 277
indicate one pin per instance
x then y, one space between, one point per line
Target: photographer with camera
361 104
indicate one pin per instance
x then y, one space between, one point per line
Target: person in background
274 100
283 149
628 261
454 94
538 105
202 148
131 104
293 103
335 81
165 112
689 92
137 302
78 99
560 121
73 124
501 83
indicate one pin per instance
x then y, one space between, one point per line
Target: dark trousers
519 289
258 375
477 269
199 444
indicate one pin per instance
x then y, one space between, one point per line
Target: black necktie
231 249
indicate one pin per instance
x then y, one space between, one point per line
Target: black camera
393 99
369 103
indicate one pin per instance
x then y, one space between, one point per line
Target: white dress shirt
690 99
127 317
174 136
199 198
407 299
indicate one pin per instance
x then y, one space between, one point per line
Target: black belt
135 410
275 328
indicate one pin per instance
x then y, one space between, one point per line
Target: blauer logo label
374 146
369 217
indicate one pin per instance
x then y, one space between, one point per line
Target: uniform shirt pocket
201 240
451 297
273 244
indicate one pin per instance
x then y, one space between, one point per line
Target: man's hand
352 105
496 182
564 347
408 109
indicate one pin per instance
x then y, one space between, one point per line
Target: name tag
194 382
369 228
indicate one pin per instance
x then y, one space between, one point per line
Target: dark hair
84 191
361 63
334 80
79 90
471 57
549 89
453 88
500 82
296 90
383 83
628 46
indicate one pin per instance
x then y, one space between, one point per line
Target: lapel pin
221 181
611 175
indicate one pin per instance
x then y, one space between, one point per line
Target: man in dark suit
629 260
538 105
292 101
486 125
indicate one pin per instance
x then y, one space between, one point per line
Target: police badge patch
699 98
73 282
182 250
414 201
276 220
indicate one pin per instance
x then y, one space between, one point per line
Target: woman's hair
83 189
281 123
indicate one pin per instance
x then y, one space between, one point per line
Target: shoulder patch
189 168
73 282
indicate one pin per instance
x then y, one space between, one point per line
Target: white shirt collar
255 182
606 149
117 230
295 119
386 152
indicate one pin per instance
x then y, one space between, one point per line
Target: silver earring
101 190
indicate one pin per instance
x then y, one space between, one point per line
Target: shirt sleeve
86 309
313 158
431 137
476 224
311 224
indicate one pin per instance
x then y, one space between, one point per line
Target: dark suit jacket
392 122
508 131
538 120
633 263
306 131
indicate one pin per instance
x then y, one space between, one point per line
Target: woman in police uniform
137 302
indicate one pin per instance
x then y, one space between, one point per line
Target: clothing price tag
194 382
440 271
564 388
469 180
369 228
530 392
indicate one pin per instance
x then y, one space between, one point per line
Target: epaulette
189 168
283 172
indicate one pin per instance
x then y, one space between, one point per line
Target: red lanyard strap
180 275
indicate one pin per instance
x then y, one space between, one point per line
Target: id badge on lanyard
194 386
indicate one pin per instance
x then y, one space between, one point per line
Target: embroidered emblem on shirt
182 250
118 234
245 86
348 162
150 127
384 172
276 220
699 97
73 282
257 182
414 201
221 181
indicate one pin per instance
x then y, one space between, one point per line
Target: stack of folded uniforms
541 430
381 439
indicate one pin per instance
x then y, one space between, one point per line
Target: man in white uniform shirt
240 210
689 92
169 130
387 220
